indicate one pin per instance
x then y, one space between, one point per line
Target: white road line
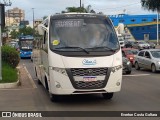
137 75
30 78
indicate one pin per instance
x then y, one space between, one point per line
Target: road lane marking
30 78
137 75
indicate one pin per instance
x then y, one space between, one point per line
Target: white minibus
79 53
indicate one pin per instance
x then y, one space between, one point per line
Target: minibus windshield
86 33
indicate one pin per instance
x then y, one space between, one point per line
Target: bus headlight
60 70
159 62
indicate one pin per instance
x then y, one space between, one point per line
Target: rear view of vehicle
80 55
127 65
130 54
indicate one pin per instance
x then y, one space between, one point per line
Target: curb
11 85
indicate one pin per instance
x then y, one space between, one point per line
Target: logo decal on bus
89 62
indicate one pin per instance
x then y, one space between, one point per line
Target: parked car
149 59
14 44
130 53
152 45
127 66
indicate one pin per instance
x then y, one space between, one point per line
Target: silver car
149 59
141 45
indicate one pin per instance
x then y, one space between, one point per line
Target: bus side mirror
40 29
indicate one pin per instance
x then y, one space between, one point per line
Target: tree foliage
26 31
22 31
76 9
79 9
153 5
44 17
14 34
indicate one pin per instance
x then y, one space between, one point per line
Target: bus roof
77 14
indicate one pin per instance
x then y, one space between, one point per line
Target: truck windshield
83 32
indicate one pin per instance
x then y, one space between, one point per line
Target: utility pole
157 27
2 25
80 4
33 20
0 41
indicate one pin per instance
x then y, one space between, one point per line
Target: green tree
14 34
76 9
22 31
80 9
26 31
153 5
44 17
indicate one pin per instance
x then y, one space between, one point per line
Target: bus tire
107 95
38 81
46 84
54 98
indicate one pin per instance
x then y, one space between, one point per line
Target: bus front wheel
107 95
54 98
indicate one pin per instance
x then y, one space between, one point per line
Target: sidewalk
25 78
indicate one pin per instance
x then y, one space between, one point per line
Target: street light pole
157 27
0 53
80 4
33 20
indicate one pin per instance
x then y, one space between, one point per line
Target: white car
143 45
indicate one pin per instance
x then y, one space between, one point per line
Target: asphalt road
140 92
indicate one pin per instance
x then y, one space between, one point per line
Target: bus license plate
89 79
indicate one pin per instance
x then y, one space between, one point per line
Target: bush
10 56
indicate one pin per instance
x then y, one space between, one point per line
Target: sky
46 7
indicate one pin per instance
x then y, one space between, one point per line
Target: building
13 17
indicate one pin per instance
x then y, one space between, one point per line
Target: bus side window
45 42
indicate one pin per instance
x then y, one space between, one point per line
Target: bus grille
89 85
89 71
80 72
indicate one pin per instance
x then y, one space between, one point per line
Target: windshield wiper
103 47
74 48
